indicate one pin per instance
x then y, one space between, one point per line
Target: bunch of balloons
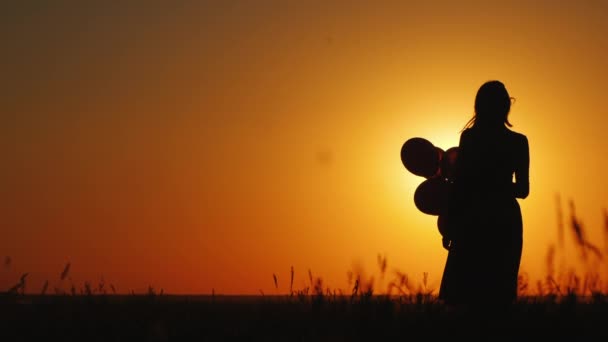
422 158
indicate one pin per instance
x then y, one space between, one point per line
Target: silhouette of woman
484 222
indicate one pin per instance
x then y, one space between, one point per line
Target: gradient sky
207 145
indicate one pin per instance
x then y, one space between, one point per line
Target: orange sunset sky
205 145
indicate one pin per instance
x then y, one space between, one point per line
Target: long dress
484 217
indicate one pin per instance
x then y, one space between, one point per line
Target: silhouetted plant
44 288
291 282
19 288
65 272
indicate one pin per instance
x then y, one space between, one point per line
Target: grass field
293 318
566 305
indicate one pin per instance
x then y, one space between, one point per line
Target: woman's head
492 106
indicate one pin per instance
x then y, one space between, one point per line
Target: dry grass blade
580 236
20 286
560 221
291 282
577 226
606 230
356 287
44 288
550 261
425 279
382 263
66 271
310 278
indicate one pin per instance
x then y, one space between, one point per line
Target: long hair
492 106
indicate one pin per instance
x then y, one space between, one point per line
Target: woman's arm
521 186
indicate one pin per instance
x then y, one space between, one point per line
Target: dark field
296 318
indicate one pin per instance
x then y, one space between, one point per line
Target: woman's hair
492 106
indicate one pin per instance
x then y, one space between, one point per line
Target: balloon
431 195
420 157
448 163
440 153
